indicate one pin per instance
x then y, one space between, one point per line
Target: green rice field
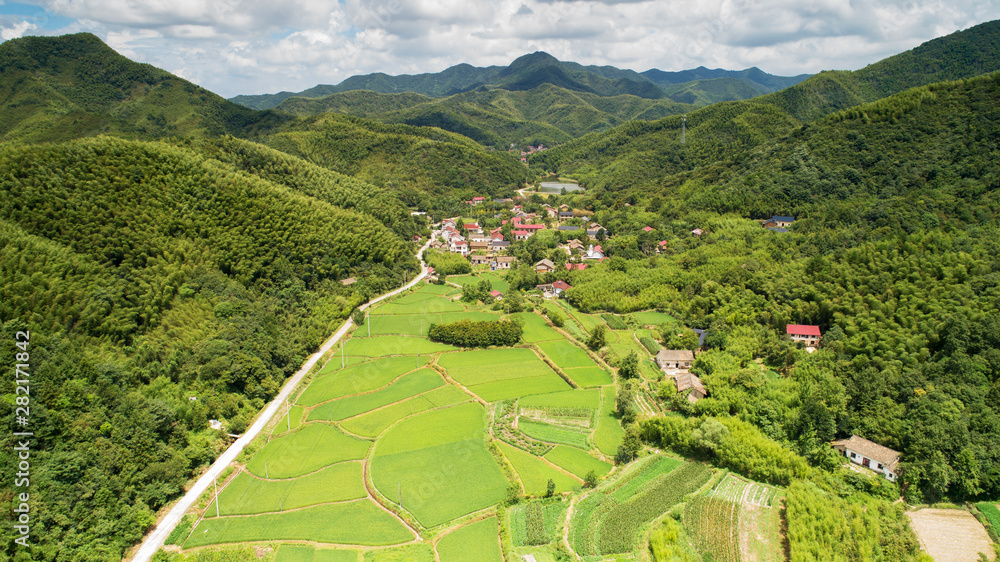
535 473
417 324
652 317
566 355
333 382
552 433
306 553
438 465
247 494
375 422
408 385
576 398
305 450
523 373
381 346
535 328
359 522
609 433
589 377
576 461
475 542
421 552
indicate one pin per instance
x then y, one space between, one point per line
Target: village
493 249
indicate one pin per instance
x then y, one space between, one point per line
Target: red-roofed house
806 333
473 228
648 228
533 227
478 200
560 286
521 234
496 236
576 266
497 295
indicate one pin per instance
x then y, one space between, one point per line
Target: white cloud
256 46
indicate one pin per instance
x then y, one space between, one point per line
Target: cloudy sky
265 46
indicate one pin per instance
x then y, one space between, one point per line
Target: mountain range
533 70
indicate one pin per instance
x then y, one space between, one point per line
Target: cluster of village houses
676 365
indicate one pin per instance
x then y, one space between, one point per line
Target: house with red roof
576 266
521 234
460 247
533 227
478 200
804 333
647 228
560 286
497 295
473 228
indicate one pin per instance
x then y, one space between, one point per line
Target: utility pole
400 493
288 414
683 127
368 318
216 496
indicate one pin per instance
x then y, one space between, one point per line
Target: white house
870 455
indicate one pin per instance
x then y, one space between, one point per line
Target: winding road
155 539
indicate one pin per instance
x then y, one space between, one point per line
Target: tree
629 367
630 446
597 338
590 480
358 316
550 488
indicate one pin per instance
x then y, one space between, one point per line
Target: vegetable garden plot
735 521
552 433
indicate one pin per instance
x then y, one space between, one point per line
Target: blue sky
259 46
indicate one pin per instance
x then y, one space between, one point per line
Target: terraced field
737 520
390 443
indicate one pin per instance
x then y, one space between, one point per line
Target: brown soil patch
951 535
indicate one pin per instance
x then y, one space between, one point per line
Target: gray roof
879 453
569 227
675 355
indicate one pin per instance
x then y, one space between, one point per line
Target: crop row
649 344
615 322
534 524
713 524
504 416
619 530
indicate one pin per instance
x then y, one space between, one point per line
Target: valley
692 315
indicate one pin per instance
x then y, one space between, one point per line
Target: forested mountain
533 70
58 88
546 115
640 154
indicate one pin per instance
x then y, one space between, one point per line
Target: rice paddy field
388 451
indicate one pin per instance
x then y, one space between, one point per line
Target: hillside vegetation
60 88
162 288
641 155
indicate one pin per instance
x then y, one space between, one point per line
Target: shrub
468 333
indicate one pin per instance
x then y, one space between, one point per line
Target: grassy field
627 343
535 474
535 328
652 317
247 494
576 398
566 355
360 522
523 373
589 377
410 384
586 321
293 419
439 462
577 461
609 432
381 346
552 433
334 382
375 422
305 450
476 542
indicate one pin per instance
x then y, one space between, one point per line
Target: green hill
163 285
58 88
638 154
415 162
